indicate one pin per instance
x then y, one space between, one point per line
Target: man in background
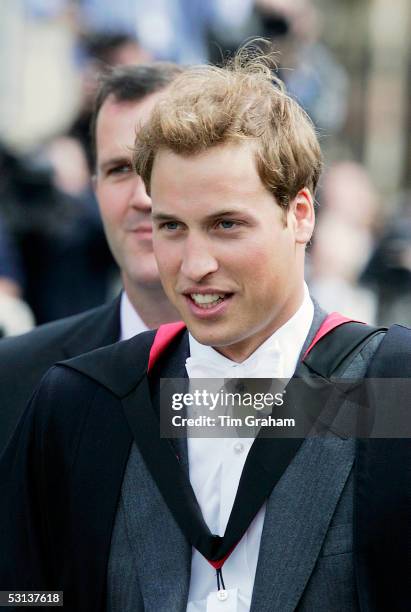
123 103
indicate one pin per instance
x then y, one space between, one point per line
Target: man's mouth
206 301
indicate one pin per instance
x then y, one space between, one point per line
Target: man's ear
302 216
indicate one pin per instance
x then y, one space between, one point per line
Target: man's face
229 260
124 204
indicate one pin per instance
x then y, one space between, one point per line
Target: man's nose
198 259
139 197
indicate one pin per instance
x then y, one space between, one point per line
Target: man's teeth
206 300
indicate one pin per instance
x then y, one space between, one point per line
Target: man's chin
215 338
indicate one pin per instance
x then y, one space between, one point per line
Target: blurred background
347 63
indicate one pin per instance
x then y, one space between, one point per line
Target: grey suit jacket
306 553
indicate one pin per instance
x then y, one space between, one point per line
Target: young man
121 519
123 103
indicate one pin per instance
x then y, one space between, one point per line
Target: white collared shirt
215 480
131 323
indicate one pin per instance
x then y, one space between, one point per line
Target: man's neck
242 350
151 304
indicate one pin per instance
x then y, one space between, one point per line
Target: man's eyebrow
161 216
226 213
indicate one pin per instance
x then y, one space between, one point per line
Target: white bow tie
265 364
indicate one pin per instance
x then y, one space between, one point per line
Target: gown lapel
298 514
293 533
161 543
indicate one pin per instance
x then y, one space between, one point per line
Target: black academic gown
25 359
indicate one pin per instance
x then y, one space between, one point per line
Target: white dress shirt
216 480
130 321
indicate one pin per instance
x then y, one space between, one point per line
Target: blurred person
72 160
312 75
15 316
71 172
169 30
388 270
348 192
231 163
175 30
98 52
65 261
344 239
124 101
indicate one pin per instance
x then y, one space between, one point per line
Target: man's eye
227 224
170 225
121 169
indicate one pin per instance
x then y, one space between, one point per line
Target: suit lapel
101 329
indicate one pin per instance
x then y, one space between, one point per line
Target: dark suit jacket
25 359
60 481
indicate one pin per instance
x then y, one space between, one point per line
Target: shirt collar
131 323
289 339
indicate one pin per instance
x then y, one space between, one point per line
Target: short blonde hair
207 106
